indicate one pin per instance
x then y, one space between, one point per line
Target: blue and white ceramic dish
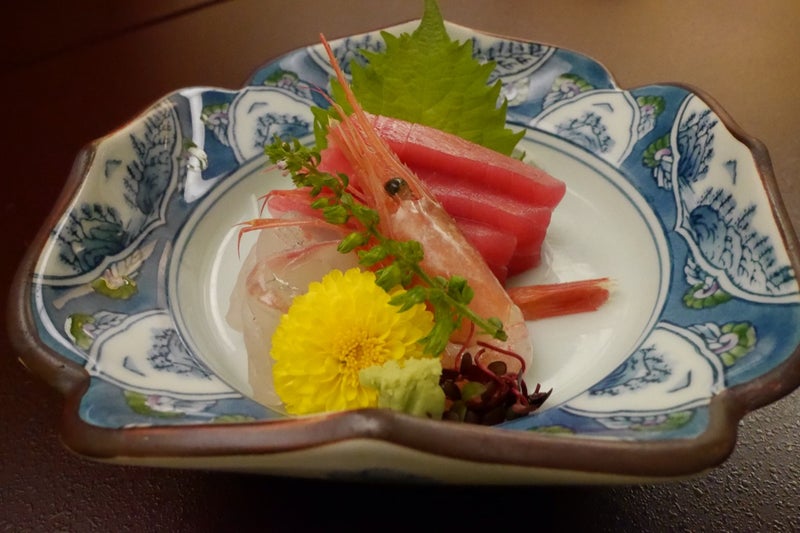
123 304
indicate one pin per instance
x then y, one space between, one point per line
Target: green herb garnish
427 78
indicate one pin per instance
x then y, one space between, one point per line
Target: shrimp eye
394 186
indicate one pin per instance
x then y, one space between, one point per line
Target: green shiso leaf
427 78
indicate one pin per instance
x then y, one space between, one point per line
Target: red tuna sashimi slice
495 247
421 146
527 223
523 223
472 183
521 263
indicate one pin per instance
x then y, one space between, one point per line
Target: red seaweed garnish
487 394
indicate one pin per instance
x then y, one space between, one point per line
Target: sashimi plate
122 302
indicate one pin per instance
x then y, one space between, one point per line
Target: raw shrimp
408 211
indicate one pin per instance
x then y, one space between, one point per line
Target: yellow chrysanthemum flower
343 324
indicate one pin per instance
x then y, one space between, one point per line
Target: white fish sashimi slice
280 266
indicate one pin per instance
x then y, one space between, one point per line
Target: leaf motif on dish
565 87
259 114
513 60
650 107
346 50
721 231
695 142
144 354
91 233
116 282
122 203
704 291
660 423
193 157
705 294
215 117
290 81
658 157
515 65
151 171
168 354
84 328
605 122
587 131
165 406
730 341
721 214
647 366
673 371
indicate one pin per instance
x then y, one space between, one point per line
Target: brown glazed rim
645 459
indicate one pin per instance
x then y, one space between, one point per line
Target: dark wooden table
71 75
